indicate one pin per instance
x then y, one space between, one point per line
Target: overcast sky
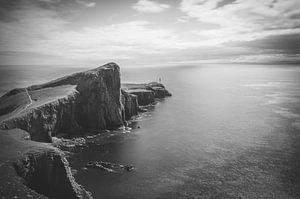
148 32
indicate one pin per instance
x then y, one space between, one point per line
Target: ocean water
228 131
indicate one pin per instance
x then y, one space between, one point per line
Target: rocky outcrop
159 90
98 105
47 120
146 92
49 173
145 97
73 105
43 170
82 102
94 105
109 166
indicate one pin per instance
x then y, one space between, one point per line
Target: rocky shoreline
77 105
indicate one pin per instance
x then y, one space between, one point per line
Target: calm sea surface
230 131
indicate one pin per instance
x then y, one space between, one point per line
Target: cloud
286 43
86 3
148 6
50 1
260 26
128 39
272 58
41 31
31 23
207 30
227 35
224 3
182 19
244 16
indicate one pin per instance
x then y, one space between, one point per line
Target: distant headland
76 105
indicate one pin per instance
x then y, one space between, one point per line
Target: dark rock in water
97 165
108 166
128 168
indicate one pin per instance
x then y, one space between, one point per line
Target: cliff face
146 92
98 105
130 104
94 104
145 97
82 102
49 173
42 167
47 120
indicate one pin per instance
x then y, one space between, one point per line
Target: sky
149 32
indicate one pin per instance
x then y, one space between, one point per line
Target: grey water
228 131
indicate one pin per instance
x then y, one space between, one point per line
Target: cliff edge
44 169
73 105
81 103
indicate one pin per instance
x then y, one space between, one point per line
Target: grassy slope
17 104
13 147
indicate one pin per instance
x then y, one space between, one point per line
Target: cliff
49 174
85 102
82 102
146 92
43 168
130 104
73 105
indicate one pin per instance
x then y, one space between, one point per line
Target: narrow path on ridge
29 99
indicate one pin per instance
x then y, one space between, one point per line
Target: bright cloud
148 6
125 39
86 3
243 16
207 30
240 21
42 31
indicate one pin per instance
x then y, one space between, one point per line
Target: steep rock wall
47 120
95 105
145 97
130 104
95 101
98 104
49 173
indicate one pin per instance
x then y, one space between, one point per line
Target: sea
228 131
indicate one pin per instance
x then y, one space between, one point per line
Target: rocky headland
77 105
